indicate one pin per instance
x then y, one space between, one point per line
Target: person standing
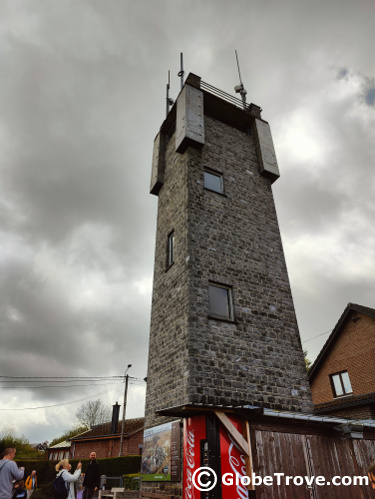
9 472
63 468
31 484
19 491
79 486
91 481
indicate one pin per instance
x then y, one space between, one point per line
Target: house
58 451
104 439
42 446
342 378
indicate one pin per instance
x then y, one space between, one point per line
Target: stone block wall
167 377
231 239
234 239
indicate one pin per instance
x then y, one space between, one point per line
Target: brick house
342 378
59 451
106 442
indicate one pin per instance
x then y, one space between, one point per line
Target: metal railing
223 95
111 481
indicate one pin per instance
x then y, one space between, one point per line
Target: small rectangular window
341 384
221 301
170 249
213 181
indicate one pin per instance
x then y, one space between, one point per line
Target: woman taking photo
69 479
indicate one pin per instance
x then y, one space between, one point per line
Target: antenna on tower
168 99
240 89
181 72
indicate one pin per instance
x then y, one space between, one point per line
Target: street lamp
124 407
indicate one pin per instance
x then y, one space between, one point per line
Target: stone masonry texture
231 239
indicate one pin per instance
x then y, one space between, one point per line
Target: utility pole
124 407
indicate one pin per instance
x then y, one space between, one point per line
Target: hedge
46 473
131 482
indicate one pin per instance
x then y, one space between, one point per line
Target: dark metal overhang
189 410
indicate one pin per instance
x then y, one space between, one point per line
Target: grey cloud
342 73
81 100
370 95
307 199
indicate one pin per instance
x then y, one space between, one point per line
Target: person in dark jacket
92 477
19 491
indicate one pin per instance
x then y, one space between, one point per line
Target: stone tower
223 325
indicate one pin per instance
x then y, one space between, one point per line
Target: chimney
115 414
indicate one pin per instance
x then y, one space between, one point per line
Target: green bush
24 449
131 482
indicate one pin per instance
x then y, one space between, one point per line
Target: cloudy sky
82 96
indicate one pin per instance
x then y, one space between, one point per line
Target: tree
9 439
307 361
93 413
68 434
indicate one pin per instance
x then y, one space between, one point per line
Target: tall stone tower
223 326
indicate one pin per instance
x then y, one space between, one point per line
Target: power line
51 386
64 377
313 338
57 381
63 403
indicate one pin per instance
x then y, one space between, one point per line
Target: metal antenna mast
168 99
240 89
181 72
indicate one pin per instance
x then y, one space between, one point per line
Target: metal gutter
370 423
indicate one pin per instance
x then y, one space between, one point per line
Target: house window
170 249
341 384
213 182
221 301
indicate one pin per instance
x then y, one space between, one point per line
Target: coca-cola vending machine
209 453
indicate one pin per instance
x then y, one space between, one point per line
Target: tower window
341 384
221 301
213 182
170 249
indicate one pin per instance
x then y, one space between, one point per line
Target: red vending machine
211 453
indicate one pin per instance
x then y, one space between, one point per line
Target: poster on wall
161 453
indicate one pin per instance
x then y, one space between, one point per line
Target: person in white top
63 469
